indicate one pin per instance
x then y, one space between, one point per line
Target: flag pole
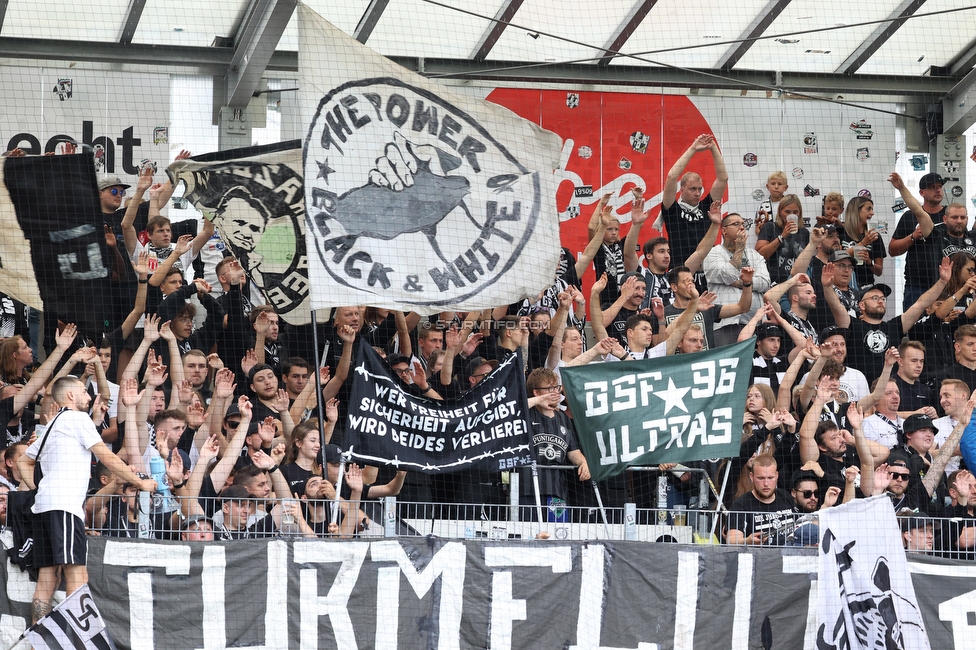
538 497
318 393
721 496
603 511
343 459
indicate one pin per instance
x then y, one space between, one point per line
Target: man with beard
872 335
758 514
683 286
802 299
835 449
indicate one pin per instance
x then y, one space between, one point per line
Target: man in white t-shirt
884 425
59 526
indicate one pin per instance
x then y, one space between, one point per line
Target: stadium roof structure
913 51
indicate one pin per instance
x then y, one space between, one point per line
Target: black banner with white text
389 425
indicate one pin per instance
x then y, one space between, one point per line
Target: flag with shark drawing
419 196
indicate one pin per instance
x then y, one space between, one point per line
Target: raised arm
39 379
129 218
869 400
202 237
637 219
721 174
924 219
596 311
597 230
841 316
230 455
182 245
808 429
913 313
681 324
803 260
707 242
701 143
777 291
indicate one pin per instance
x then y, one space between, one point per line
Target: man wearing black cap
926 474
870 335
918 533
909 238
767 366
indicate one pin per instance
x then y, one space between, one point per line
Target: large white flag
418 196
866 597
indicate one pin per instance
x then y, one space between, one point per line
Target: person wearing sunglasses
914 478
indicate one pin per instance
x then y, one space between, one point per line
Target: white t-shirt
852 383
882 432
66 463
113 391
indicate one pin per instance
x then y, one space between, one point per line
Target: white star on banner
673 397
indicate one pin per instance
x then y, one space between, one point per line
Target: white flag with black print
419 196
74 624
866 597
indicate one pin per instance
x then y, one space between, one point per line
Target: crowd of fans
199 384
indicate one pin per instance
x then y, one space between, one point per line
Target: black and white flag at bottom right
74 624
866 598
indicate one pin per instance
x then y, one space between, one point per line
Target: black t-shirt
918 467
618 328
921 262
914 396
705 318
686 229
833 468
750 515
869 343
296 477
552 439
937 245
780 264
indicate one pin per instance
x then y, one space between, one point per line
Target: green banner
668 410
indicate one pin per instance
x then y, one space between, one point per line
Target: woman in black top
862 243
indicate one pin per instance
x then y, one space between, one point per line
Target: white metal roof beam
369 20
132 16
756 28
879 36
254 45
958 116
503 17
626 29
